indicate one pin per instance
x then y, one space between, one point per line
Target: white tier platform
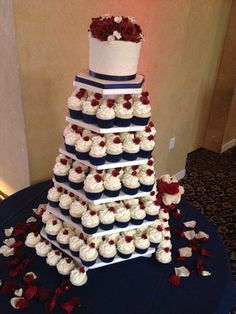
107 165
96 129
105 87
100 232
103 199
98 263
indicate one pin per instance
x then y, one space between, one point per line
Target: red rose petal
174 280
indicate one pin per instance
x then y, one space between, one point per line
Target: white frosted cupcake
65 266
114 148
151 197
130 183
152 210
53 257
131 147
95 240
93 186
163 255
75 104
82 147
54 195
112 184
97 153
89 110
76 178
75 244
107 218
138 214
43 247
125 246
65 202
78 276
77 163
47 216
88 254
146 146
132 203
107 251
147 180
90 221
61 170
105 115
141 243
114 236
77 208
164 214
63 237
52 228
155 236
32 239
142 110
70 141
122 217
96 207
124 113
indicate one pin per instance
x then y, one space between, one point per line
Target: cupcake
131 146
63 238
142 110
130 183
76 178
114 148
65 202
90 108
97 153
90 221
93 186
75 103
114 236
125 246
122 217
112 184
65 266
155 236
52 228
42 248
138 214
151 197
88 254
70 141
141 243
54 195
147 146
163 255
105 115
46 216
107 218
82 147
124 113
146 180
77 208
132 203
32 239
164 214
96 207
61 170
78 276
95 240
75 244
53 257
152 210
107 251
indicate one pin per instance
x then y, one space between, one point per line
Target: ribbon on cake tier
112 77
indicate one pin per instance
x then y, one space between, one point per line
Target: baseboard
228 145
181 174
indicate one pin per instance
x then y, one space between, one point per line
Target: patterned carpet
210 186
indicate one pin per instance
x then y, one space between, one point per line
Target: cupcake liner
110 193
151 217
76 114
130 191
97 161
140 251
64 211
121 224
122 122
76 185
145 153
52 236
70 148
124 255
82 155
140 121
89 118
113 158
53 204
93 196
129 156
74 253
63 246
106 259
105 123
88 263
136 221
146 187
153 244
106 226
90 230
76 220
61 178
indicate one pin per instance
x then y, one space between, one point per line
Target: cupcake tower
103 207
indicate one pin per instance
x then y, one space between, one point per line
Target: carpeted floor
210 186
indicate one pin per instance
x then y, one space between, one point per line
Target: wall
13 155
221 127
180 59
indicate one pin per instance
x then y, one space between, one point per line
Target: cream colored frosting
163 214
106 216
113 148
134 202
138 213
140 242
32 239
53 194
52 228
130 146
88 253
96 207
75 176
61 156
97 150
147 145
95 240
154 235
64 238
163 256
106 249
77 209
75 103
122 214
77 163
75 243
82 145
65 201
165 243
151 208
122 112
105 113
60 169
141 110
65 266
71 138
47 216
112 183
53 258
42 248
130 181
89 220
77 277
114 236
88 108
144 178
125 247
91 185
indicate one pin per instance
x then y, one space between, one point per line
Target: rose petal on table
205 273
8 232
30 276
189 234
31 219
18 292
19 303
182 271
9 242
6 251
174 280
201 235
185 251
190 223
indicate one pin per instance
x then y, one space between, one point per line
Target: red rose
171 188
129 31
101 29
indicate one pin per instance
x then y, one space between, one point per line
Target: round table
138 286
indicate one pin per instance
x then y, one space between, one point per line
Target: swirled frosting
42 248
138 213
125 247
95 240
65 266
141 110
130 146
88 253
77 209
107 249
83 145
147 144
130 181
146 179
53 226
154 235
64 235
75 176
53 194
122 112
114 148
97 150
32 239
78 277
91 185
60 169
88 108
75 103
106 216
65 201
75 243
90 219
71 138
112 183
163 256
141 242
53 257
152 208
105 113
122 214
47 216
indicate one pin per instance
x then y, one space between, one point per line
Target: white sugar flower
104 16
132 20
117 35
8 232
141 36
111 38
9 242
6 251
18 292
117 19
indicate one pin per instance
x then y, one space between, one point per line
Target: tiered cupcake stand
106 88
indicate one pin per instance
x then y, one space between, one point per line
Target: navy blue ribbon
112 77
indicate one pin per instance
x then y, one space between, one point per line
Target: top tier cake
114 48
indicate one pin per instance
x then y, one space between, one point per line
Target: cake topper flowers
109 28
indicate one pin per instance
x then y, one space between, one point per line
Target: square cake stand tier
103 199
84 80
98 263
108 164
100 233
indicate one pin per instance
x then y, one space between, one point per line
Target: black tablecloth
138 286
